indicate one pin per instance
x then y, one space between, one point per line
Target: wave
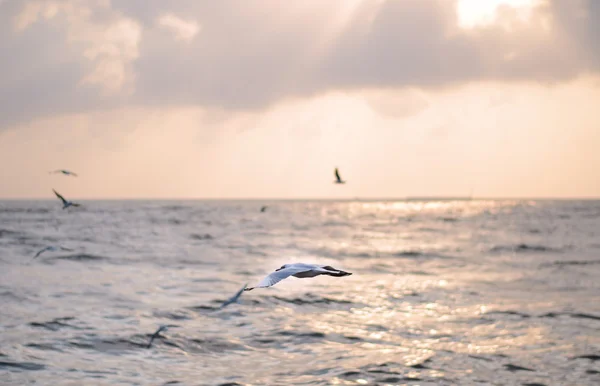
9 232
309 334
386 373
335 224
43 346
196 236
525 248
449 219
508 312
576 262
210 345
9 295
55 324
79 257
514 368
405 253
180 315
310 299
592 357
174 208
117 344
31 366
578 315
24 210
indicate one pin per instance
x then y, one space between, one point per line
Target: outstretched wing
277 276
337 175
59 196
40 252
235 297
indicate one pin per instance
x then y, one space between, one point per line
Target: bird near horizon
64 172
338 179
299 270
66 203
52 248
263 208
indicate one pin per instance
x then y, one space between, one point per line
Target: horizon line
405 198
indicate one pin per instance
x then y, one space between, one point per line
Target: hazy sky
263 98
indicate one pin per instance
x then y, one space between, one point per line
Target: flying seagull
51 248
161 328
338 179
66 203
299 270
65 172
235 297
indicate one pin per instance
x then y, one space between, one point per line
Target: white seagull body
66 203
51 248
300 270
65 172
338 179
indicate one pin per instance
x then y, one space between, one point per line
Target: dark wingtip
249 288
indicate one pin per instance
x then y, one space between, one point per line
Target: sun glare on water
478 13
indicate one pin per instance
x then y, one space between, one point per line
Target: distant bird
299 270
63 171
235 297
51 248
338 179
264 208
66 203
161 328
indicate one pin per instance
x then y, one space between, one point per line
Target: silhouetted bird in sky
338 179
65 172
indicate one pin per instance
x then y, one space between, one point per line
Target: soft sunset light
194 98
481 13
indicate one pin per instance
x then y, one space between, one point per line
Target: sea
442 292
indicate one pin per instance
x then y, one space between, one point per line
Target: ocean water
442 293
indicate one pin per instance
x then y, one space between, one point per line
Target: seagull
264 208
338 179
52 248
65 172
66 203
235 297
299 270
161 328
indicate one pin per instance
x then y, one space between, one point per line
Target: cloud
72 55
108 40
181 29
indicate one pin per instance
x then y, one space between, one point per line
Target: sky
264 98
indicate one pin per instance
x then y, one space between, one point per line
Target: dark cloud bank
250 54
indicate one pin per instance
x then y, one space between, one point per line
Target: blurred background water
442 293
